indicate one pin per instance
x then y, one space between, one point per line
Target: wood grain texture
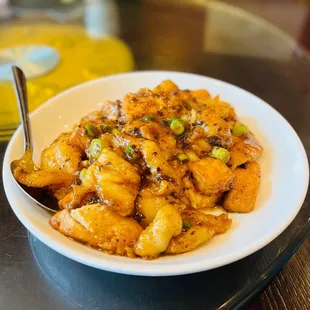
290 290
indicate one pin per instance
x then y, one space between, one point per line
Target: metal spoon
26 162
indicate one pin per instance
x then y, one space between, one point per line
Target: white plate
283 188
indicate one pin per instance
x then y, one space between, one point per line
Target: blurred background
60 43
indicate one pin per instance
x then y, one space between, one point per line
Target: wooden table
290 289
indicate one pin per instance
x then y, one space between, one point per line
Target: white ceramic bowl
283 188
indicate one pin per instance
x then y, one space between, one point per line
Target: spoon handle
21 95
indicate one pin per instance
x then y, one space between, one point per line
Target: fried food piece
148 204
201 95
217 129
223 109
203 228
42 178
201 147
152 131
62 156
220 223
80 138
111 110
211 176
197 199
115 181
121 140
189 240
155 132
156 160
166 87
75 197
140 104
197 142
60 193
244 150
100 227
155 238
243 196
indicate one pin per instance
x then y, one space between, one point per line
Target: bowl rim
173 269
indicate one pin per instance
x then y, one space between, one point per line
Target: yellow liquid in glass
82 58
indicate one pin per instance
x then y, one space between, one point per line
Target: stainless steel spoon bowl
38 195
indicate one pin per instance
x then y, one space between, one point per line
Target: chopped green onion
130 151
182 157
105 128
82 174
186 224
92 131
240 130
177 127
148 118
115 131
221 154
96 147
172 118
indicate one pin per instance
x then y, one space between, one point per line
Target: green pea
92 131
177 127
82 174
115 131
105 128
221 154
186 224
130 151
96 147
148 118
182 157
240 130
